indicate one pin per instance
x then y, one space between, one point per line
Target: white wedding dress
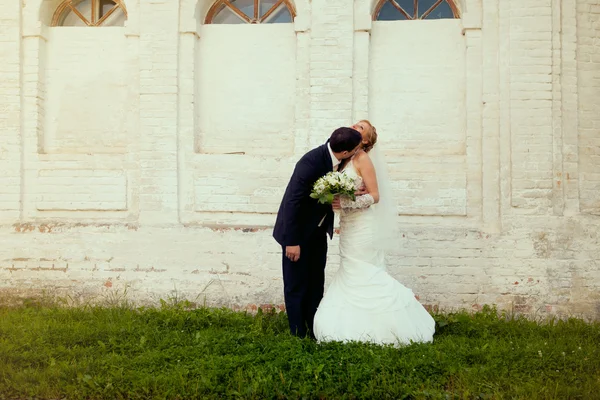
364 303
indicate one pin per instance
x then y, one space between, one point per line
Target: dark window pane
280 16
246 6
441 11
389 13
226 16
424 5
408 6
265 5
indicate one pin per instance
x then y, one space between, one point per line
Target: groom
302 226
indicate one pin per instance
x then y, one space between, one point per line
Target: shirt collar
334 161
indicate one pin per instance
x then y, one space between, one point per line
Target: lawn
92 352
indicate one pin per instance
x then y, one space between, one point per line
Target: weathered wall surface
151 158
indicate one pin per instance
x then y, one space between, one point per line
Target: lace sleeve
364 201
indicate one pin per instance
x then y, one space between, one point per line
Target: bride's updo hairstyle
371 134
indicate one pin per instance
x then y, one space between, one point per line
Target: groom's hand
361 190
292 252
336 202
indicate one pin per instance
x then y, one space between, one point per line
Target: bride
365 303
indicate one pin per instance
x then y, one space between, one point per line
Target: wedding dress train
365 303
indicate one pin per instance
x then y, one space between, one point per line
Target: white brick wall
588 68
81 189
10 151
158 112
530 64
419 109
88 72
331 53
246 81
489 125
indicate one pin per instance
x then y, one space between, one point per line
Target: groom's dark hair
344 139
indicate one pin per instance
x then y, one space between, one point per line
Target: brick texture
89 71
490 127
588 69
531 104
158 111
331 52
10 102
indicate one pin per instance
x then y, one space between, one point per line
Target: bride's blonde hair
371 134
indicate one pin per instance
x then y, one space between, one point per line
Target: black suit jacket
299 215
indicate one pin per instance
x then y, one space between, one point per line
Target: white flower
331 184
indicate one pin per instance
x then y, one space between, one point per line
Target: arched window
90 13
250 12
393 10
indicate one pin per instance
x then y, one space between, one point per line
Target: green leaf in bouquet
327 198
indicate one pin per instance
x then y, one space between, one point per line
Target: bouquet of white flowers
331 184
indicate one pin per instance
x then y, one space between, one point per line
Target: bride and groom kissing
363 302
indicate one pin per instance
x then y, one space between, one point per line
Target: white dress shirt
334 161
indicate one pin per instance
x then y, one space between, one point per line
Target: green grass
52 352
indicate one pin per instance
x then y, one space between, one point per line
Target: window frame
451 3
215 8
70 6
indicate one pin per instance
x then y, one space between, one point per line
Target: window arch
250 12
90 13
394 10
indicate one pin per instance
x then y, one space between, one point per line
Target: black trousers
304 282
